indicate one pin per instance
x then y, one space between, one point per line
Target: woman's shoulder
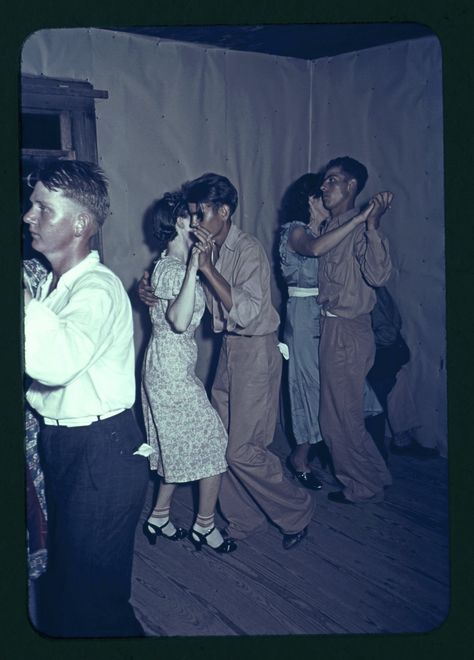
167 276
286 231
167 264
288 227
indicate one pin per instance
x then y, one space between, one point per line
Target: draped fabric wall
383 106
174 112
177 110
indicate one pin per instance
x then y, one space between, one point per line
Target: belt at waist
302 292
81 421
236 334
326 313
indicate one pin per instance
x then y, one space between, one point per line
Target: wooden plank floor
373 568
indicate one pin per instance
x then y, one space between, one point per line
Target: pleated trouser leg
347 352
245 394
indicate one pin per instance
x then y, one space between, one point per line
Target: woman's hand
361 217
145 291
317 212
202 249
193 263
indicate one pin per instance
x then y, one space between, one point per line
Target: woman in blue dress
300 246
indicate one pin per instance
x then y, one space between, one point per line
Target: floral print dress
186 432
33 273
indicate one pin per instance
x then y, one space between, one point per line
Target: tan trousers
245 393
346 354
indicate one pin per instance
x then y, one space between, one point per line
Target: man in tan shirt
347 276
246 386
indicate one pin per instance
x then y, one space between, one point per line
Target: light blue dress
301 334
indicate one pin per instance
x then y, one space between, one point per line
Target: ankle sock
214 540
167 527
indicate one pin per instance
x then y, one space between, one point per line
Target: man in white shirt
79 353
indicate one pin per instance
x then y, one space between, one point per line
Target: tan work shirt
348 272
244 265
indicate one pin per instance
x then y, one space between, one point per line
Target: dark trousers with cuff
95 490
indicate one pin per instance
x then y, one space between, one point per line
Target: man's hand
381 202
145 291
203 247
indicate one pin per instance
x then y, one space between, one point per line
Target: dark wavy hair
212 188
353 168
294 205
79 180
163 214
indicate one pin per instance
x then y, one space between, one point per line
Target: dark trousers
95 490
388 362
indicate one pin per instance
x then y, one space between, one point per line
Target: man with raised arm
348 274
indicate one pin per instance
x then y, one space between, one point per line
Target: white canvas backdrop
383 106
174 112
177 110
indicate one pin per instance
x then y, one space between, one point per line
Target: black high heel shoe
306 479
227 545
151 531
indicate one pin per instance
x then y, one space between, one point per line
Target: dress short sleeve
284 235
168 277
283 245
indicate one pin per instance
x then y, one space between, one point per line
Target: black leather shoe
306 479
290 540
198 540
338 497
151 531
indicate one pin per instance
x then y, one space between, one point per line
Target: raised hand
381 202
364 214
145 291
202 249
317 212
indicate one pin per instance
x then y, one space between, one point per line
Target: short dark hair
81 181
353 168
294 205
163 214
213 188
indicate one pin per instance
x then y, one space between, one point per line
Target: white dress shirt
79 344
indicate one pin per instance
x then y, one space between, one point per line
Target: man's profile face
206 215
50 220
335 187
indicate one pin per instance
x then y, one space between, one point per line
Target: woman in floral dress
183 428
36 515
